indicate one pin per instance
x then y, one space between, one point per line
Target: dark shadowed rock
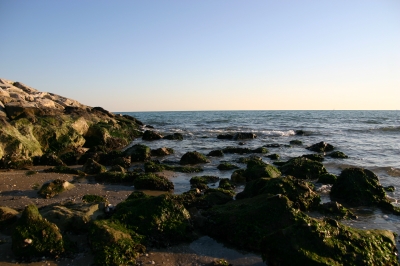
216 153
175 136
225 136
193 157
338 154
244 135
321 147
151 135
303 168
139 153
92 167
162 151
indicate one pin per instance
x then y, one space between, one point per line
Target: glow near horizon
207 55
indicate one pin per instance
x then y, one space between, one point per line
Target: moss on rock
153 182
303 168
193 157
53 188
35 237
257 169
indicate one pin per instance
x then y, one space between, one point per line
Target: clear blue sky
208 54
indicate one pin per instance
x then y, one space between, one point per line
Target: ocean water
371 139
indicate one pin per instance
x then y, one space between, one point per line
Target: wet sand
18 190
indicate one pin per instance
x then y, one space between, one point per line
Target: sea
371 139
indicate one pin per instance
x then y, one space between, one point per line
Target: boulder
71 216
258 169
7 216
53 188
274 156
314 157
338 154
50 159
193 157
327 178
296 142
138 153
153 182
301 193
244 135
225 136
321 147
162 151
216 153
92 167
34 236
113 244
197 181
151 135
162 220
226 183
303 168
175 136
227 166
358 187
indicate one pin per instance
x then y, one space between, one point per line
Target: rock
203 180
7 216
162 151
117 168
138 153
336 210
193 158
113 244
257 169
303 168
238 150
216 153
227 166
48 159
296 142
71 216
116 177
321 147
244 135
92 167
34 237
278 230
64 170
225 183
162 220
301 193
53 188
358 187
338 154
389 189
175 136
237 176
153 182
225 136
274 156
151 135
15 161
327 178
314 157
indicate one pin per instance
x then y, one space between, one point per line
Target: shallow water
371 139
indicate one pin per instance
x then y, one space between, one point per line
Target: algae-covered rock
296 142
139 153
274 156
90 198
303 168
175 136
193 157
326 242
327 178
227 166
153 182
35 237
357 187
92 167
321 147
336 210
53 188
116 177
162 219
151 135
71 216
226 183
64 170
314 157
244 135
48 159
238 177
7 216
338 154
296 190
162 151
155 166
113 244
216 153
205 179
257 169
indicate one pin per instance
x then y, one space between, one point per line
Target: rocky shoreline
69 172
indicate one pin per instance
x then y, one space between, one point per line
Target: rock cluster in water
269 216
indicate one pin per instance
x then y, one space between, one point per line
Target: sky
206 55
